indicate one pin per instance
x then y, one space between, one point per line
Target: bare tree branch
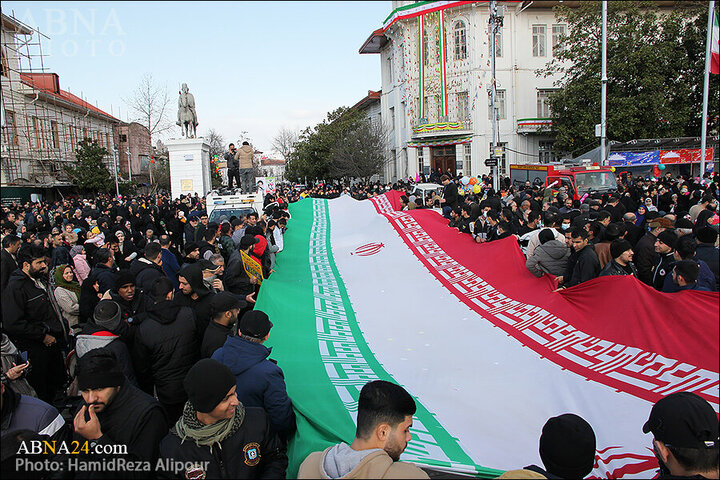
284 142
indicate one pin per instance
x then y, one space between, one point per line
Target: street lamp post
496 21
603 88
115 167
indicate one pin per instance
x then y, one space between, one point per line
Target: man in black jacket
633 232
449 198
232 166
621 263
196 295
645 256
10 246
32 323
103 272
225 308
241 444
664 249
165 347
148 268
236 278
586 265
114 412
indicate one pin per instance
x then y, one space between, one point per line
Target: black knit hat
124 277
668 237
619 246
107 314
207 383
255 323
99 368
567 446
707 235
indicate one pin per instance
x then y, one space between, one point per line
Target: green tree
90 173
655 73
340 146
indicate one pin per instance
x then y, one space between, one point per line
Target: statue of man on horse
187 117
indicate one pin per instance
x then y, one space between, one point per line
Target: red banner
685 155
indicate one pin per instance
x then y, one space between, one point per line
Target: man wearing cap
664 249
621 263
218 434
104 331
165 347
132 302
236 279
115 412
260 381
645 256
225 309
196 295
192 253
685 436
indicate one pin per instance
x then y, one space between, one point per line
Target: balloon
473 180
477 189
661 166
461 192
465 180
612 169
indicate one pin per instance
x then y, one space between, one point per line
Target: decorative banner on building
437 127
421 66
440 143
685 155
419 8
621 159
443 74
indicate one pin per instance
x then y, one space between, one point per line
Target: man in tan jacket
384 419
244 158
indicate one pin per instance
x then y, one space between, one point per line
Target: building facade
42 124
435 63
134 150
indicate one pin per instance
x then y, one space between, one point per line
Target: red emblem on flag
368 249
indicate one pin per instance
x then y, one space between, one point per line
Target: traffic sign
491 162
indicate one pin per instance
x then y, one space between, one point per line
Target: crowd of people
132 322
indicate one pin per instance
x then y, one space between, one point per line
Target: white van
224 206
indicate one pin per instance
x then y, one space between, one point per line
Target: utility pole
706 86
496 21
603 89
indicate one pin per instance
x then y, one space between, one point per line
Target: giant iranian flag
363 292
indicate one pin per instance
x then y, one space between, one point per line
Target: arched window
460 40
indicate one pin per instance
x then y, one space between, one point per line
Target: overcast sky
252 66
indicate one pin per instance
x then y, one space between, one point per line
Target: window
467 158
5 68
463 110
390 70
558 31
498 43
10 128
72 131
393 166
107 141
85 134
422 167
499 105
460 40
543 103
426 106
36 129
538 40
55 132
438 108
392 118
545 153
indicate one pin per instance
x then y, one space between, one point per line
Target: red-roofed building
42 124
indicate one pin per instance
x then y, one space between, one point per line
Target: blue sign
622 159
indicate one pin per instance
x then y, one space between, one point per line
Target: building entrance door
443 158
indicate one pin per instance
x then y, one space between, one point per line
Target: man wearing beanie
103 331
260 381
114 412
225 309
219 434
132 302
621 263
195 294
567 449
165 347
686 439
664 249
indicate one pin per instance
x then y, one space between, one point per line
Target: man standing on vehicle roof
232 166
244 157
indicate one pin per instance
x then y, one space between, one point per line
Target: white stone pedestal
189 166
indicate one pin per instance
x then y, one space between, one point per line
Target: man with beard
384 419
225 309
114 412
685 436
196 295
220 435
32 323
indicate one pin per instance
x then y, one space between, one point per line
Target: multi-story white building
436 72
41 123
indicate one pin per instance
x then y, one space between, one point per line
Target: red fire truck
577 180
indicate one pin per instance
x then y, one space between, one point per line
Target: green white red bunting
419 8
715 46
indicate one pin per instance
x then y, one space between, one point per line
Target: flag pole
706 87
603 88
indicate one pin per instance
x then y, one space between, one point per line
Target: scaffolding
42 124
